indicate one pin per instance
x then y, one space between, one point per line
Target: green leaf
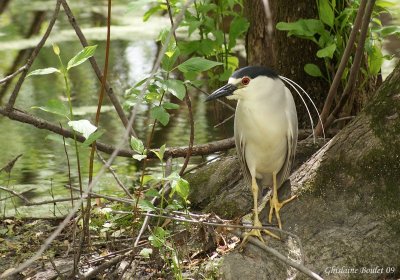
137 145
170 58
153 10
375 60
93 137
326 13
56 49
389 30
83 126
170 106
44 71
176 88
238 27
54 106
160 153
312 70
157 239
81 57
304 28
197 64
181 187
385 4
327 51
160 114
146 205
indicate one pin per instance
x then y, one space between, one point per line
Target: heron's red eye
245 81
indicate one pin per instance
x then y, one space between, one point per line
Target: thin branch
14 193
279 256
339 73
9 77
191 138
119 182
114 99
174 152
35 52
218 100
355 68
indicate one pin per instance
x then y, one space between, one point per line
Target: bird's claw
276 206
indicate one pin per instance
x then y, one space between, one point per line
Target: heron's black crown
255 71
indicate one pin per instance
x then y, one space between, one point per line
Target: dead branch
9 77
198 150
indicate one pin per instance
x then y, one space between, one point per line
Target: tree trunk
287 55
347 214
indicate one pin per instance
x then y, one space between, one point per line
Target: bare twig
119 182
9 77
69 168
104 266
35 52
218 100
56 269
14 193
339 73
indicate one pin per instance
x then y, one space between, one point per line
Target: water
42 171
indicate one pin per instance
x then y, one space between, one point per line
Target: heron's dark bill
227 89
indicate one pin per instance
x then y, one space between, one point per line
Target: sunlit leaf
44 71
327 51
83 126
56 49
139 157
197 64
81 57
181 187
160 152
375 60
146 252
137 145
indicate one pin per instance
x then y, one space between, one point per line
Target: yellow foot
257 233
276 206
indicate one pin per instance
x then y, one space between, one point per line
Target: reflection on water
42 171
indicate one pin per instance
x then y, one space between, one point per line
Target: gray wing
291 138
240 142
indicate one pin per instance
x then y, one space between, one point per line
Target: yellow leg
275 205
256 221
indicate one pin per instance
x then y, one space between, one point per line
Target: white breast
262 125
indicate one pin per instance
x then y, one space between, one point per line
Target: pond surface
42 171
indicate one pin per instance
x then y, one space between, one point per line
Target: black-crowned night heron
265 132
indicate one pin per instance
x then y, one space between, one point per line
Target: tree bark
265 45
